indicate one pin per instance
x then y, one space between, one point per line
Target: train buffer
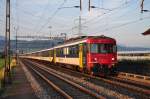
20 87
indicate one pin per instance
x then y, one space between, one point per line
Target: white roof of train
77 41
59 46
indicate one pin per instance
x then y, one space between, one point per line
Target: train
95 55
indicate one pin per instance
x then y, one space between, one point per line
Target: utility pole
9 36
80 26
7 42
142 4
16 30
80 5
142 7
64 35
50 31
89 5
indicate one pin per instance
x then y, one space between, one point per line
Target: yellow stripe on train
66 60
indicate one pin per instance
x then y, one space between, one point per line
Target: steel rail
130 81
80 81
134 77
51 83
115 83
72 83
123 85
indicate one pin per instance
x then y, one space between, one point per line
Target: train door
54 53
50 56
82 55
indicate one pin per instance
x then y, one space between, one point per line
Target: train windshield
103 48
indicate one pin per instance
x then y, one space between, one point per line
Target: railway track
65 87
134 77
143 92
124 79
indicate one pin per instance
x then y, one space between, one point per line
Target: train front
102 55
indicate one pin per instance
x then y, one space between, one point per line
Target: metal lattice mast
7 39
80 26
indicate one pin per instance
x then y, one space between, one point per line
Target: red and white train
91 54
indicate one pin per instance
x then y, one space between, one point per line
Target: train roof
81 39
86 37
73 41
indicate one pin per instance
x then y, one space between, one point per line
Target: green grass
1 62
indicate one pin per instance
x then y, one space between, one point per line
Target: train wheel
79 69
85 70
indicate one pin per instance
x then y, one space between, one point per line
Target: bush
2 55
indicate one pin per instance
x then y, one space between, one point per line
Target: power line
142 5
95 18
125 24
110 11
123 15
26 12
51 17
42 15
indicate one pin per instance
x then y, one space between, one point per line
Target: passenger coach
91 54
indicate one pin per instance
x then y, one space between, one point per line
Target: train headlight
94 60
113 59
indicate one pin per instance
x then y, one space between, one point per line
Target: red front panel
112 41
102 59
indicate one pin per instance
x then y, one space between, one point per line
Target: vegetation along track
130 89
66 87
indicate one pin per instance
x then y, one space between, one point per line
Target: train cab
101 55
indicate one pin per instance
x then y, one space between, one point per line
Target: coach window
57 52
47 54
61 52
64 51
84 49
39 54
114 48
73 51
67 51
94 48
50 53
70 51
43 54
76 50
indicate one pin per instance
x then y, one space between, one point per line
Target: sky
120 19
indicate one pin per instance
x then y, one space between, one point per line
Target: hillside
30 45
26 46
